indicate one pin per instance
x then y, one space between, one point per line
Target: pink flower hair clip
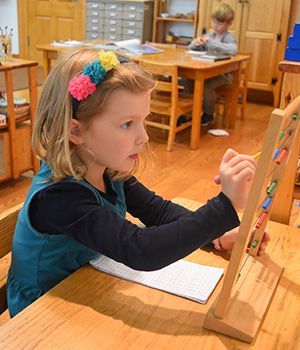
83 85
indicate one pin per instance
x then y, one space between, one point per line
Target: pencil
256 155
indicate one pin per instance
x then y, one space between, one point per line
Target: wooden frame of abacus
250 280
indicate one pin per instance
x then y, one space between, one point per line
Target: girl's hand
236 173
227 240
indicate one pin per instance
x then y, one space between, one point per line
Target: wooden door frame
23 28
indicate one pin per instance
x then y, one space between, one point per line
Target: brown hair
223 13
50 137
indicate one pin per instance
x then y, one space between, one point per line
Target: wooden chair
8 221
224 93
166 100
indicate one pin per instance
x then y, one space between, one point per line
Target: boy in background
219 41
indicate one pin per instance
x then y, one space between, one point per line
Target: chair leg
172 131
243 105
227 106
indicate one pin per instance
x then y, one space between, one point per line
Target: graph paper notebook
183 278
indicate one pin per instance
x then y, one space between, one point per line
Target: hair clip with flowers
83 85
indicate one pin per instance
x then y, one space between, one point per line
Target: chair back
8 221
166 100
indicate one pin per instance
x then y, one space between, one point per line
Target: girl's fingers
244 174
228 155
235 170
239 158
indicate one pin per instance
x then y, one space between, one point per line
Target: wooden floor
181 172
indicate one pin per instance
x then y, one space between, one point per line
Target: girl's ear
75 131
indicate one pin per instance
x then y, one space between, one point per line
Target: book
183 278
132 47
211 57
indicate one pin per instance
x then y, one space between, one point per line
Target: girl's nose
143 135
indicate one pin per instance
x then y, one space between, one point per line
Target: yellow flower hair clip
108 60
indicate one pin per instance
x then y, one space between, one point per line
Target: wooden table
21 155
92 310
188 68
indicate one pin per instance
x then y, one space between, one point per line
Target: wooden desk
188 68
92 310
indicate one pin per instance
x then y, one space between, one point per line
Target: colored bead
282 133
281 156
254 244
295 117
267 203
272 187
261 220
276 154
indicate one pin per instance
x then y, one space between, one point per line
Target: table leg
12 123
197 112
230 122
46 63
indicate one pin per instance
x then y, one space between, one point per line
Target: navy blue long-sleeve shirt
171 231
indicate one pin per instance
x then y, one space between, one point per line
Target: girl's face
117 136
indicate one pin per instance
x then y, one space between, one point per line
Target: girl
89 133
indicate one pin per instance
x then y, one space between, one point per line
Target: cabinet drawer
113 6
128 36
113 14
113 22
94 13
97 27
95 5
136 16
134 8
93 35
112 30
133 24
94 20
5 164
113 37
137 33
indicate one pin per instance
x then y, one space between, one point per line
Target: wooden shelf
160 24
174 19
16 134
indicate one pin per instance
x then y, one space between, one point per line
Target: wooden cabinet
119 20
164 15
15 136
260 27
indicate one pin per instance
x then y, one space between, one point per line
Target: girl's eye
127 125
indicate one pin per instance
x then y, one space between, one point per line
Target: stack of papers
70 43
132 47
183 278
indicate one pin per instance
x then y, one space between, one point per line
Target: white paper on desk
183 278
70 43
197 52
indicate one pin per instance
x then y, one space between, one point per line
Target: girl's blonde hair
54 111
223 13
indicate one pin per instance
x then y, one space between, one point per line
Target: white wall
9 18
181 6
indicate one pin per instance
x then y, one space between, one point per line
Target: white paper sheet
183 278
